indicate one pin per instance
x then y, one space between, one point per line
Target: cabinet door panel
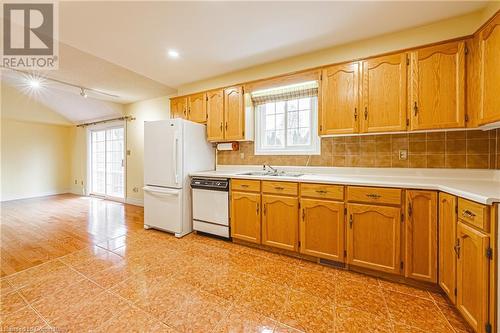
178 107
197 110
215 113
472 276
437 86
373 236
280 221
447 238
234 113
384 94
489 37
421 236
245 216
339 98
322 229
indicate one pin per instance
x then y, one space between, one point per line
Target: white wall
148 110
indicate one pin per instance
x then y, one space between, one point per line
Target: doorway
107 162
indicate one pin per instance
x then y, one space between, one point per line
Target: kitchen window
286 120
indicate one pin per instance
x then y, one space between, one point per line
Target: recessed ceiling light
173 54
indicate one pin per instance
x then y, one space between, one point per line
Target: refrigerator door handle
162 191
175 158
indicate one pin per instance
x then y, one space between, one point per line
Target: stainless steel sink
271 174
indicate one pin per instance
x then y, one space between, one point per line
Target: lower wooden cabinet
245 216
447 239
280 221
374 238
421 235
472 275
322 229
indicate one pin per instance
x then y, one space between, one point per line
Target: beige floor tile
316 283
240 319
265 298
201 312
352 320
402 328
36 273
308 313
93 260
361 296
11 302
405 289
5 286
282 328
275 271
133 320
23 320
343 274
455 319
416 312
227 283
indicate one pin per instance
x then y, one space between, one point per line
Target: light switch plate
403 154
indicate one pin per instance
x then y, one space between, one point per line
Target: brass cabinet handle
355 113
226 125
468 214
350 221
244 185
265 209
303 214
321 191
279 188
373 196
221 127
415 109
366 113
457 248
257 208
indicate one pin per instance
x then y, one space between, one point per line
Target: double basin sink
272 174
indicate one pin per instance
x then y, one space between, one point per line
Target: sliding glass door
107 166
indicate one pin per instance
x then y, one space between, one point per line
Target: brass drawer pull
279 188
467 213
321 191
373 196
244 185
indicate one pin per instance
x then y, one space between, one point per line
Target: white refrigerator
172 149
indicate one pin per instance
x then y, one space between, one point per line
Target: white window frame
313 149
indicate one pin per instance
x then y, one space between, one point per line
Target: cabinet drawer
474 214
280 188
389 196
332 192
245 185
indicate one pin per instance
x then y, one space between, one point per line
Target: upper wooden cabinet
322 229
340 99
447 238
215 112
373 237
383 94
245 216
489 72
421 235
197 108
280 221
437 87
472 276
234 113
178 107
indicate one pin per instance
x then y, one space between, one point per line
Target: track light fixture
83 93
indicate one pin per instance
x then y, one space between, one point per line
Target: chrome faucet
270 167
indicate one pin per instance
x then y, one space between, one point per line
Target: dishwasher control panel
213 184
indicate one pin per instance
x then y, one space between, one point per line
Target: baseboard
37 195
135 202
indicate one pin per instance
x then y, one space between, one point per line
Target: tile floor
148 281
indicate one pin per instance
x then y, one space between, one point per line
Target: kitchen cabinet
437 87
383 94
246 216
447 238
489 72
215 115
280 221
178 107
339 112
322 229
234 113
373 237
472 275
197 108
421 235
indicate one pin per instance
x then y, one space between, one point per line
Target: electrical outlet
135 189
128 152
242 156
403 154
76 181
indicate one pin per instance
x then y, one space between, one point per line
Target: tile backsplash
473 149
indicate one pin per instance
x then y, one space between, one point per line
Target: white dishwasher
211 205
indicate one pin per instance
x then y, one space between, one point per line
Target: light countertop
482 186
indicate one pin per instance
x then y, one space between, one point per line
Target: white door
163 153
163 208
107 167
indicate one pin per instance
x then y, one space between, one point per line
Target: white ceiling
214 38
